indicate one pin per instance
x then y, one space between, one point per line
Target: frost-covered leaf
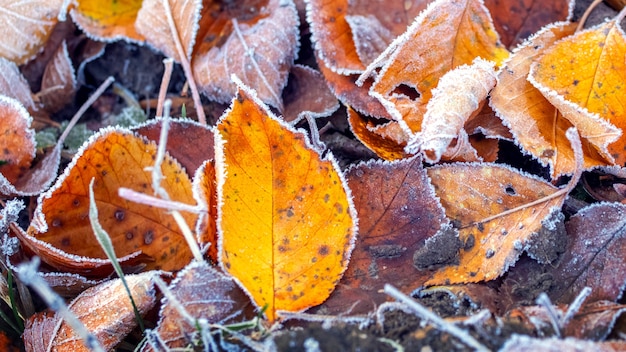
14 85
58 84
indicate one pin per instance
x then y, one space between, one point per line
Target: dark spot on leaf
314 260
480 226
326 198
165 239
282 249
57 222
339 208
76 202
510 190
119 215
490 253
323 250
65 241
469 242
148 237
129 235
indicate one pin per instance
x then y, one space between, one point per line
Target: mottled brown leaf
307 94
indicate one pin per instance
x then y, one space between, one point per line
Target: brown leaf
58 85
258 46
397 211
524 343
307 94
204 293
596 238
105 310
386 147
153 24
14 85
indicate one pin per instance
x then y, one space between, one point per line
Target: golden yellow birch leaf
584 76
458 95
449 33
108 20
286 222
152 23
26 25
536 125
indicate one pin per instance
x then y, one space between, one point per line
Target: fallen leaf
115 158
591 85
17 144
349 35
153 24
522 343
537 126
459 30
105 310
258 44
285 220
398 211
481 191
108 20
596 238
384 146
206 195
58 84
14 85
26 27
204 293
458 95
517 20
307 94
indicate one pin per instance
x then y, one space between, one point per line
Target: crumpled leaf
385 146
26 25
537 126
108 20
588 89
105 310
398 211
58 84
480 192
285 219
458 95
205 293
256 43
596 238
61 234
459 30
152 23
307 94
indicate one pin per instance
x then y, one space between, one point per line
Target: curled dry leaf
481 191
307 94
26 26
458 95
14 85
516 20
596 238
58 85
256 43
386 147
153 24
105 310
60 233
459 30
537 126
285 218
108 20
588 89
204 293
398 211
348 35
204 190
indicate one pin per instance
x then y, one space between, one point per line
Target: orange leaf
349 35
457 30
385 146
480 192
61 232
285 219
108 20
26 25
593 81
105 310
537 126
259 46
17 143
206 194
152 23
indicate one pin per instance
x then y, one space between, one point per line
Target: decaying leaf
458 95
307 94
17 143
61 232
256 43
14 85
386 147
58 84
108 20
398 211
105 310
204 293
588 89
285 219
206 195
25 26
153 24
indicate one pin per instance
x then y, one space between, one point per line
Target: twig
555 318
588 11
574 307
185 63
165 82
157 202
435 320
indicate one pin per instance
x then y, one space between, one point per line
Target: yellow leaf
286 224
109 19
